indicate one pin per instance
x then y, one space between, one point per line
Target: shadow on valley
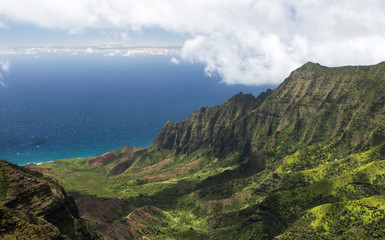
120 219
169 197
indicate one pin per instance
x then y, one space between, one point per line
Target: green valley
303 161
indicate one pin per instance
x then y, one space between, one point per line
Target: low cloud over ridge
244 42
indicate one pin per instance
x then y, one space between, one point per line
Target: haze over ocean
78 106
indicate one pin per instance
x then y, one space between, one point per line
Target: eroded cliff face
33 206
315 103
220 129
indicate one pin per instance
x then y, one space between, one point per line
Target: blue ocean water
78 106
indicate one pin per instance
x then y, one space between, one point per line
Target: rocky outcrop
33 206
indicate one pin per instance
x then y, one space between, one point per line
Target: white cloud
3 25
244 41
4 68
106 50
150 52
174 60
2 83
7 51
89 50
30 51
112 52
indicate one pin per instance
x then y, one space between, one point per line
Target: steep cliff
33 206
220 129
315 103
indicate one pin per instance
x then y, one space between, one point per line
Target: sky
252 42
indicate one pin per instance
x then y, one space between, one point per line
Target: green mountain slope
305 160
33 206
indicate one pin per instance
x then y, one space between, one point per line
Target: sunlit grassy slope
189 189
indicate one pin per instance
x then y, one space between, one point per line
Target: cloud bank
244 42
106 50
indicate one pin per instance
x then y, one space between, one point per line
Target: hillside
33 206
305 160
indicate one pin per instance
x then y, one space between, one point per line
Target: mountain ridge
307 91
285 164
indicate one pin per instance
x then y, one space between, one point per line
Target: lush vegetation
34 206
306 160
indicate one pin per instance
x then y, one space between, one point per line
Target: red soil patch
121 154
102 159
141 221
149 178
102 210
40 170
156 167
189 167
182 171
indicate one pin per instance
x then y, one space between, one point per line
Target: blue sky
28 35
251 42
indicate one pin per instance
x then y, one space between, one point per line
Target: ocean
57 107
